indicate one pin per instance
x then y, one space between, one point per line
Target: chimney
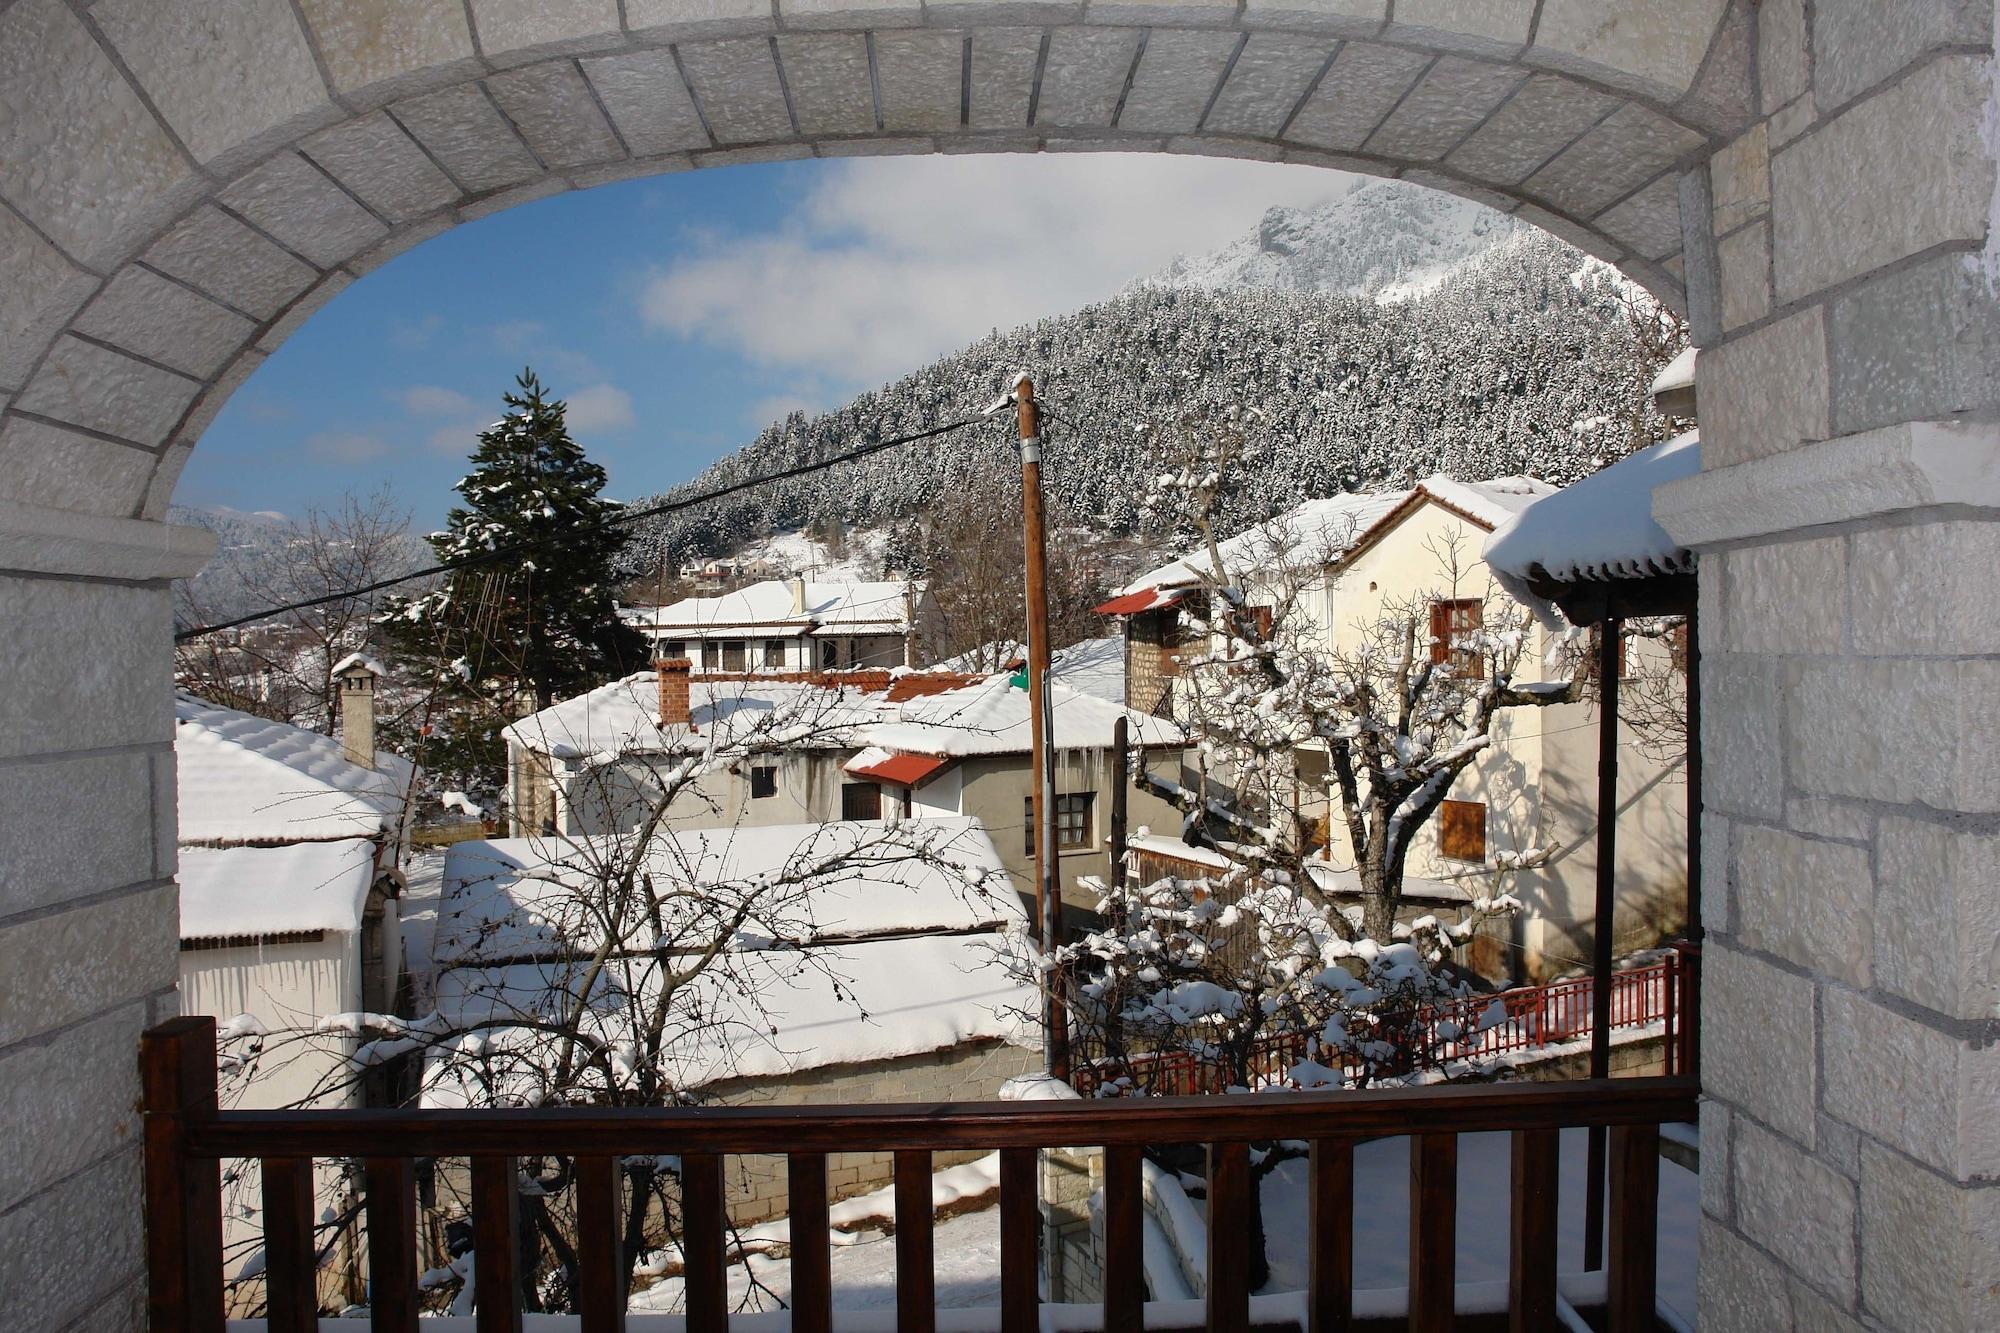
354 678
798 595
673 673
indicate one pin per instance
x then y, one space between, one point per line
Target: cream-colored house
1332 569
855 746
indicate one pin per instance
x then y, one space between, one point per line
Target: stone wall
1851 636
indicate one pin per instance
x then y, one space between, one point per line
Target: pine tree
541 621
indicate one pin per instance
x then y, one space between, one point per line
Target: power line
619 519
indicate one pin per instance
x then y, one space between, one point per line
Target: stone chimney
354 678
798 595
673 672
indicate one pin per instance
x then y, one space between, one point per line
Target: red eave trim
905 770
1132 603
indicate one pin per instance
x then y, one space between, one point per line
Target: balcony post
183 1194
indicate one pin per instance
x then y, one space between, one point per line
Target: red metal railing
1530 1019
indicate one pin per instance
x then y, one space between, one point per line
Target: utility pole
1048 891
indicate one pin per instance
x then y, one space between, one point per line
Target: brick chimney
798 595
354 679
673 672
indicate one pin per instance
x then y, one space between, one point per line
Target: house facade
791 625
1332 571
846 746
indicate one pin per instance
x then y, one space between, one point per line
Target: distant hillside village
793 856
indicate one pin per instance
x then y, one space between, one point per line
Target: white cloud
777 406
599 407
431 400
346 446
888 262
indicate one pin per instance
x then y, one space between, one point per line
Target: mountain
1524 356
1385 239
258 561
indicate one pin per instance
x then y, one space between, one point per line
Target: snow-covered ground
860 561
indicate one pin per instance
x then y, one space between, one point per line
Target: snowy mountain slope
1385 239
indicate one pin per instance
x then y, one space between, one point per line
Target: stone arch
183 182
194 180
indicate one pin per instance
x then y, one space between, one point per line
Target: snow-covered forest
1526 358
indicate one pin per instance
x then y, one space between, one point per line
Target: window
829 655
711 655
1462 830
1450 621
670 649
774 652
861 800
733 657
763 781
1260 616
1072 821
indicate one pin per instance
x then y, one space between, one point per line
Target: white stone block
1740 1288
1448 103
1742 718
86 664
1790 597
921 78
1757 1040
874 15
1631 147
1917 1089
1743 270
514 31
678 18
47 854
202 415
166 322
303 309
736 83
1340 18
68 966
1740 177
382 166
827 74
1897 730
101 390
70 1249
235 78
1643 47
1858 44
1484 27
1930 1249
1717 878
376 50
1271 74
1084 76
1175 79
502 200
1811 903
1836 820
1783 67
1649 223
1003 77
1714 1176
43 291
1896 174
232 263
648 102
1765 392
1162 13
70 1101
1546 116
1796 1207
67 470
86 161
552 107
1926 588
1937 931
1360 89
469 138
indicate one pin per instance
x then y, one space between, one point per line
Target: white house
791 626
881 966
1345 561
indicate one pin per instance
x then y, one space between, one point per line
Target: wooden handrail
187 1136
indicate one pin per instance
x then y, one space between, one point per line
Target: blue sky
680 314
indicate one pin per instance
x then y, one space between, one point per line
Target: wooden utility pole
1048 893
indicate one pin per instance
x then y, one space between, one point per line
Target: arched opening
179 192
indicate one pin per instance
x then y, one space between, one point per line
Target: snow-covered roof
1095 667
847 608
1676 374
244 778
1491 502
250 891
362 660
1599 528
1317 532
532 897
988 716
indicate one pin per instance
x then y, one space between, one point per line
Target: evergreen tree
540 623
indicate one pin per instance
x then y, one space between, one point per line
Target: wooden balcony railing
187 1138
1555 1014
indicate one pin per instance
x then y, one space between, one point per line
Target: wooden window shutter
1462 830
